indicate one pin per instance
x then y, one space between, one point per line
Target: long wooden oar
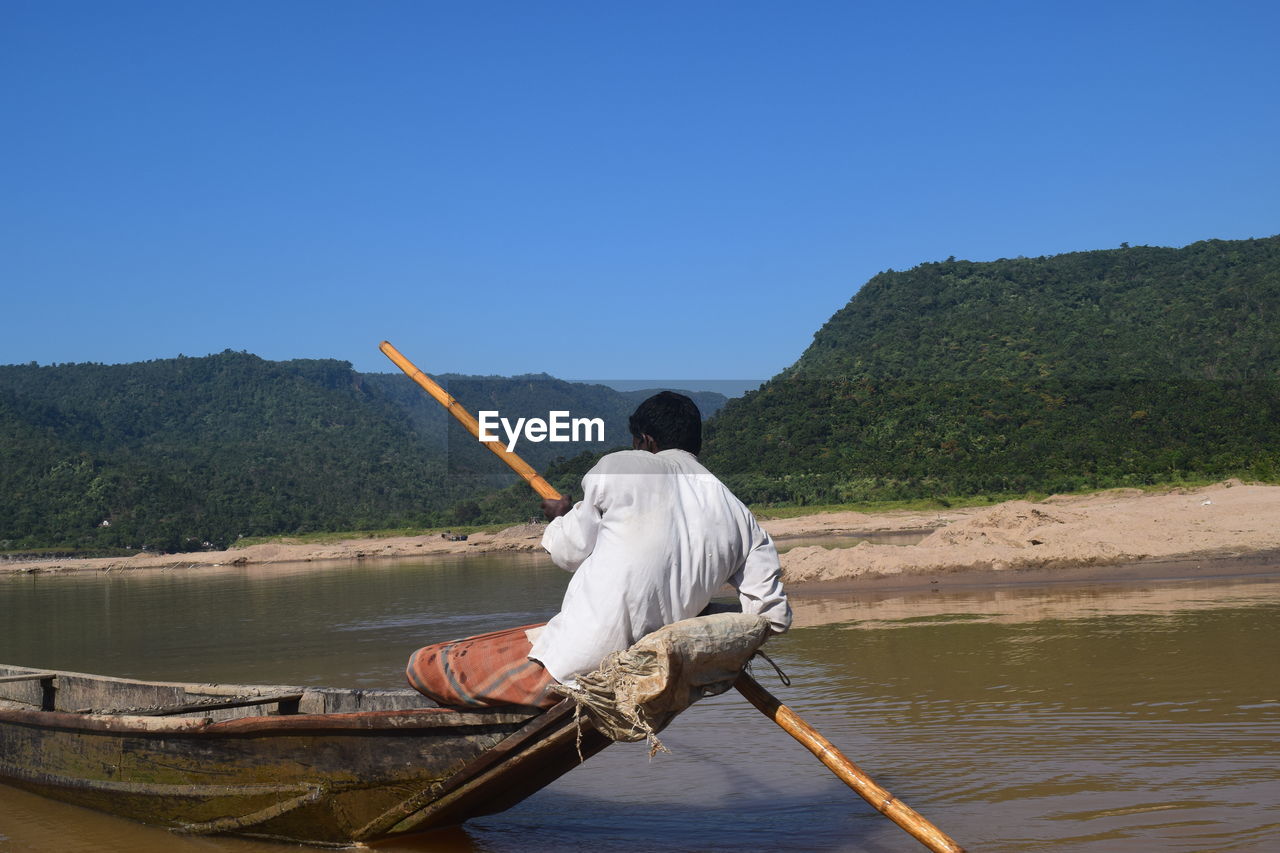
464 417
848 772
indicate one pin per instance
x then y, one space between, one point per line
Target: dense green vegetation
1031 375
188 453
532 395
176 453
517 502
1077 371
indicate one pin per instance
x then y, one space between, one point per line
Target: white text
557 427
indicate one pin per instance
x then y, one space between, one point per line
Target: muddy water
1128 717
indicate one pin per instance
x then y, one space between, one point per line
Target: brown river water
1082 717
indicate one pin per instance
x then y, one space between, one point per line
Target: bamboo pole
444 398
848 772
790 722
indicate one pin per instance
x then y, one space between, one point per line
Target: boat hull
322 778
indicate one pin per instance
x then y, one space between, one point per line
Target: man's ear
645 442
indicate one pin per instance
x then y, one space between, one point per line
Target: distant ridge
176 453
1091 369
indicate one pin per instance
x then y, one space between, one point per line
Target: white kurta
654 537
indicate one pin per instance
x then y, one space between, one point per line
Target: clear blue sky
627 190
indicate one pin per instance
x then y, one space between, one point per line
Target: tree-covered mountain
1091 369
176 453
529 396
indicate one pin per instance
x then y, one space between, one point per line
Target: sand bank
522 537
1107 529
1119 527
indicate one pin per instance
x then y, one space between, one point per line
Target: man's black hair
670 419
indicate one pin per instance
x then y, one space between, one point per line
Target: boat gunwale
195 723
392 721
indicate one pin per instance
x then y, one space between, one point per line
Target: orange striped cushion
482 671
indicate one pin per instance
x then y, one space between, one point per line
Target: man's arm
759 583
571 533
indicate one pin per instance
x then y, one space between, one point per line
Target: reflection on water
287 623
1090 718
875 610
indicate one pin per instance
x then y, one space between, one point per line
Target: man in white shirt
654 537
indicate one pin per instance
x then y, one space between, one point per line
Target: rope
782 676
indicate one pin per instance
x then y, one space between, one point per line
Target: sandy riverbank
1114 528
522 537
1119 528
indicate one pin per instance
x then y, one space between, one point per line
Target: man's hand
553 509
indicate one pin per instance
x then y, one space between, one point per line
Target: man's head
667 421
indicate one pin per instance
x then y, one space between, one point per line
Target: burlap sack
637 691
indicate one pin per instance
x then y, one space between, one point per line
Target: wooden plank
556 718
518 740
48 691
518 776
237 702
30 676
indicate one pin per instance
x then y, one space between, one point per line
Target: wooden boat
316 765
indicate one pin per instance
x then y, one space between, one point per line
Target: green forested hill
175 453
1090 369
532 395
